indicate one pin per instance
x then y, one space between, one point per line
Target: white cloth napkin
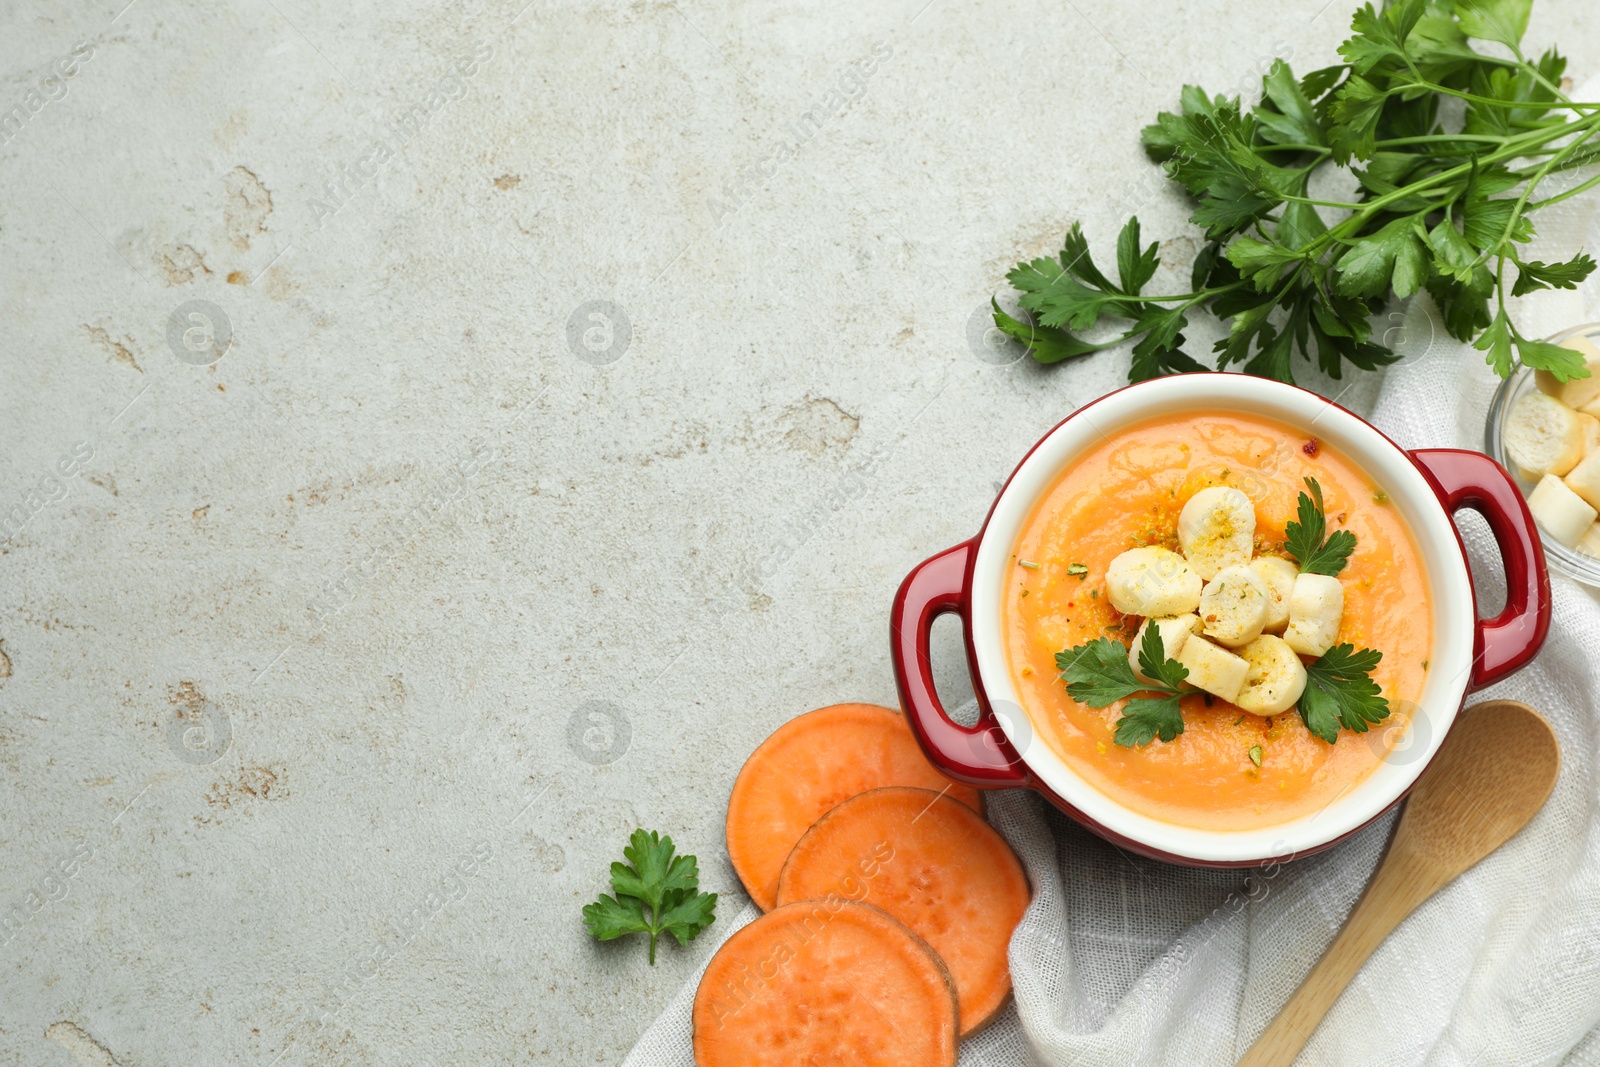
1122 960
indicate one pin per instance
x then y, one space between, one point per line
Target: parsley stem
1569 194
1489 101
1500 282
1189 299
1341 204
1524 173
1537 124
1440 138
1533 183
1511 149
1318 149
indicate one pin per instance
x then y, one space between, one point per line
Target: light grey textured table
438 438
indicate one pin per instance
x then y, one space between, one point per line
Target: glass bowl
1569 561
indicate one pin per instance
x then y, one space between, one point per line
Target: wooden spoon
1493 772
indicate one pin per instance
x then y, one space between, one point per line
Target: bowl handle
979 755
1472 480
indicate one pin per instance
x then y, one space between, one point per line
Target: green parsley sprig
1305 541
1443 205
1339 689
656 892
1340 692
1098 674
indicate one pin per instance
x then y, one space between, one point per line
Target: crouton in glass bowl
1548 436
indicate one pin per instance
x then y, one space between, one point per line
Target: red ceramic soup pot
1427 486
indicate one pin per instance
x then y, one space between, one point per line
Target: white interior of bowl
1452 604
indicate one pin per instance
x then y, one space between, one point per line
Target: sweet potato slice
825 983
934 865
808 765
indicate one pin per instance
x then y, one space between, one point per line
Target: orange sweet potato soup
1128 492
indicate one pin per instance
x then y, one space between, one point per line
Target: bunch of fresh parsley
656 892
1447 147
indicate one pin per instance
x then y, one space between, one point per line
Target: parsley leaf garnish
1340 692
656 892
1533 275
1098 674
1072 293
1305 538
1145 719
1439 205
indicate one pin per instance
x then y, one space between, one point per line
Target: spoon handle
1398 886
